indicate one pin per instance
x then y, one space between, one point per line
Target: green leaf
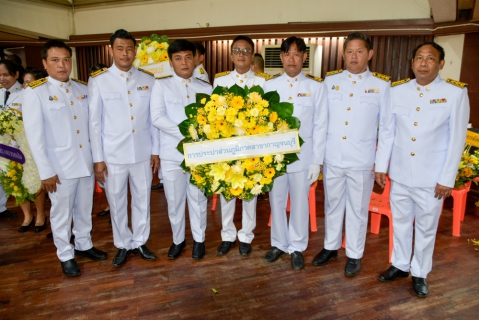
179 147
163 38
267 187
183 164
183 126
289 158
301 141
257 89
214 290
154 37
144 38
283 109
200 96
237 90
293 122
220 90
191 111
272 97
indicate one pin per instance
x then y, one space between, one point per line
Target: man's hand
50 184
100 171
313 173
442 192
380 178
155 162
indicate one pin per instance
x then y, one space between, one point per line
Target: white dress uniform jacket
14 99
169 98
421 142
309 96
200 73
230 78
55 116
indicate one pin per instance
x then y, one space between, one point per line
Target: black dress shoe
40 228
225 247
420 287
145 253
120 257
27 227
273 254
92 253
198 250
175 250
392 273
157 186
352 267
244 248
103 213
70 268
324 256
8 214
297 261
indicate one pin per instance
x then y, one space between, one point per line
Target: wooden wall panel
87 57
470 59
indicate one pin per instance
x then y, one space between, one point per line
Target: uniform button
127 79
188 96
61 84
354 82
415 124
71 103
346 123
132 117
131 104
129 92
413 139
421 94
351 94
290 85
413 154
349 76
237 76
133 131
427 88
418 109
78 131
186 85
344 137
80 146
241 81
122 74
295 79
129 73
66 90
69 83
183 80
418 88
75 117
189 80
289 98
348 108
360 77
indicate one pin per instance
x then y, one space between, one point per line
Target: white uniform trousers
178 190
3 199
346 190
73 199
292 236
418 206
248 223
139 175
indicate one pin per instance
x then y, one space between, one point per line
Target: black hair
121 34
200 48
97 67
442 54
181 45
286 44
13 68
359 36
36 73
14 58
245 38
54 43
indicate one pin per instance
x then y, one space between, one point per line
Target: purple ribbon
12 153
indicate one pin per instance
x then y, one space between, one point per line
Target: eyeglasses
237 51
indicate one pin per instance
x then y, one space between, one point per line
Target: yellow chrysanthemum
221 124
201 119
267 159
254 130
237 102
269 173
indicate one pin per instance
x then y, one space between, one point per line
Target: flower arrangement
21 181
468 168
151 50
237 112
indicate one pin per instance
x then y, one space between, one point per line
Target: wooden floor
32 285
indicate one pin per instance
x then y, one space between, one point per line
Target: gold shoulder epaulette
146 71
222 74
459 84
330 73
274 76
397 83
79 81
37 83
1 86
381 76
98 72
262 75
314 78
164 77
203 81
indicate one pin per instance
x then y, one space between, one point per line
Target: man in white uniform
357 104
55 115
242 50
124 145
421 142
169 98
200 72
309 96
